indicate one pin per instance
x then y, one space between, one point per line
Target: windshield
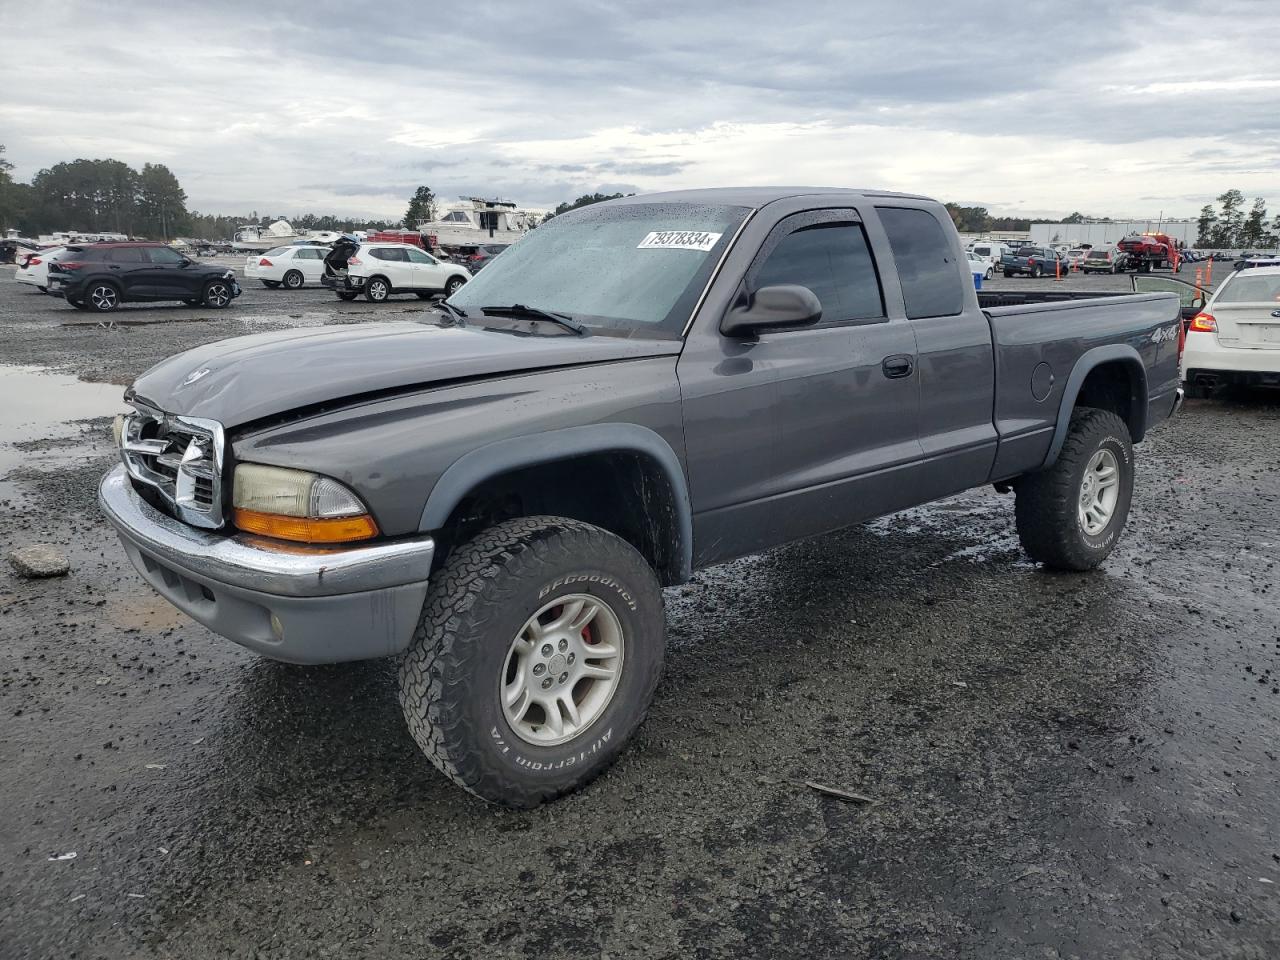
1250 288
1098 255
634 266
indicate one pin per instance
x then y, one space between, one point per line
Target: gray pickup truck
498 491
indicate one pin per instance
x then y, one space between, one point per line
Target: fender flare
501 456
1090 360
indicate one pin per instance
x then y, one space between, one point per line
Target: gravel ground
1061 766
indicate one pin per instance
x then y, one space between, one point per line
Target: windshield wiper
537 313
457 314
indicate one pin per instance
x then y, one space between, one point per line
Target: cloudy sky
1111 109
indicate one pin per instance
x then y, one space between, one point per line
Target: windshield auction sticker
679 240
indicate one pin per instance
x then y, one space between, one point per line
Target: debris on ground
39 560
839 794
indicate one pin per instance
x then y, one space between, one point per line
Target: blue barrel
977 281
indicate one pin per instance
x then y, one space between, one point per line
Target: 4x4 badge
195 375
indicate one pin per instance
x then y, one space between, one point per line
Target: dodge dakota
496 491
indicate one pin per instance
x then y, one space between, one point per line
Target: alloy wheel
562 669
1099 492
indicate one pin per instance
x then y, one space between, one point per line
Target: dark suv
101 276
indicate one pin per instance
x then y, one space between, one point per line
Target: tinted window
832 260
982 251
417 256
931 280
163 255
125 255
390 253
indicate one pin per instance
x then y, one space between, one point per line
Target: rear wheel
1036 272
103 297
1008 274
1070 516
377 289
217 294
271 284
535 659
293 279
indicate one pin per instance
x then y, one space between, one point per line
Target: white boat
253 238
474 220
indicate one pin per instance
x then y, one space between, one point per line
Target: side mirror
773 308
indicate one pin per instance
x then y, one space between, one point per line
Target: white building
1108 234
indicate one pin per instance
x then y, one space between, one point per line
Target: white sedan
1235 339
33 267
290 266
980 266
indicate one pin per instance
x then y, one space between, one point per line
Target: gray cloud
541 103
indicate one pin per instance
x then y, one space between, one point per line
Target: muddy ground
1061 766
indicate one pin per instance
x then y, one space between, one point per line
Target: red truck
424 240
1150 251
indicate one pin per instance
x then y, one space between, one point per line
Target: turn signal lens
1202 323
303 529
296 505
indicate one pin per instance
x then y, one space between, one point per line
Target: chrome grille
181 457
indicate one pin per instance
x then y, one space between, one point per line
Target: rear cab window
932 282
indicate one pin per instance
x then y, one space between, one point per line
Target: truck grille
181 458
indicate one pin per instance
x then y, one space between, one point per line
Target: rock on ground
40 560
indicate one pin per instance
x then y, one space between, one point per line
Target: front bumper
297 604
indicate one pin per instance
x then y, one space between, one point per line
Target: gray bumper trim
251 564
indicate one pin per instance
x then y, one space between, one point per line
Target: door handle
898 366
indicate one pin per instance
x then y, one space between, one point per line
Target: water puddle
38 422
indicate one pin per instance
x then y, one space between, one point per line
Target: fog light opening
277 628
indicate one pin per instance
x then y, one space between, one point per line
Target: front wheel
1070 516
535 659
451 287
217 294
989 274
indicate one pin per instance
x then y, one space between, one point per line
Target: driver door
1191 297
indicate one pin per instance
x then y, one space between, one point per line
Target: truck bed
1040 337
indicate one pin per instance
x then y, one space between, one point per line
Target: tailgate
1248 324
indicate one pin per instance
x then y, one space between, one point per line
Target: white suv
380 269
290 266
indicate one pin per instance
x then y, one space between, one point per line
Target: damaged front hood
243 379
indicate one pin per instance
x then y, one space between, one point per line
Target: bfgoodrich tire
1070 516
530 612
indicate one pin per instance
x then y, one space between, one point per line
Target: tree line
109 196
1229 226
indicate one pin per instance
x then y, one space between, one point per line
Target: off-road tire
450 677
293 280
375 284
271 284
1047 502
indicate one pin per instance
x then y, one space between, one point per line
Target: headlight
296 505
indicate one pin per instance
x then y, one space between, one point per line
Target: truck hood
244 379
